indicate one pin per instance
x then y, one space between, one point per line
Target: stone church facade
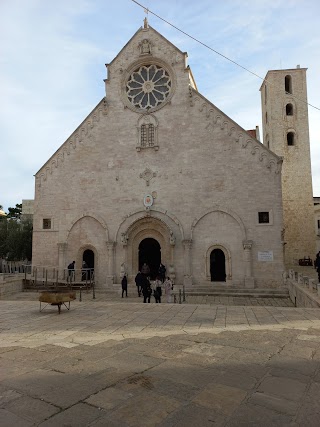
155 173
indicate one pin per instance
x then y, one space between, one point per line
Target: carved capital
247 244
124 239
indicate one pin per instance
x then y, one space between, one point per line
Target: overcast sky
52 57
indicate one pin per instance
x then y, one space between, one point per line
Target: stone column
62 255
187 244
171 270
248 280
110 275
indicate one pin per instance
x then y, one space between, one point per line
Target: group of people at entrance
147 287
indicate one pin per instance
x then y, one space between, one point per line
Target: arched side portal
218 264
88 258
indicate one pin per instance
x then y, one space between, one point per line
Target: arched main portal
217 266
150 253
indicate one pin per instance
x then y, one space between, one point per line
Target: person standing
155 291
146 290
145 269
138 280
168 286
124 285
71 271
162 272
84 271
158 288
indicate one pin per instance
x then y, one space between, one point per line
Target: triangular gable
146 30
74 139
215 117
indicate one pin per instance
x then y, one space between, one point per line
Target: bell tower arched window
289 110
290 138
288 84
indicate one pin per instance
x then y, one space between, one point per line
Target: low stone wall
10 284
303 291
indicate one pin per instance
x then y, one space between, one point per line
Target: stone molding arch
143 228
92 215
227 255
226 211
147 214
89 247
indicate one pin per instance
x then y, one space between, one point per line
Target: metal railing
53 277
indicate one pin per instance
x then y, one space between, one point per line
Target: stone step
236 292
232 294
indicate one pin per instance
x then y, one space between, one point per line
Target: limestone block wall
208 177
296 171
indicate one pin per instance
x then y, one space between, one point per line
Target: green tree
15 236
15 213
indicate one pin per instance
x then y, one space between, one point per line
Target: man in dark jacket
71 271
138 280
124 285
146 289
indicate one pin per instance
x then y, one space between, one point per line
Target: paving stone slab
194 415
220 398
8 419
248 415
80 415
35 410
108 398
147 409
276 403
286 388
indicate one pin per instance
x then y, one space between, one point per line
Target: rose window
148 86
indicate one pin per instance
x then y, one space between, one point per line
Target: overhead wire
147 10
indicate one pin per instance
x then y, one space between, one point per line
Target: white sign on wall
265 256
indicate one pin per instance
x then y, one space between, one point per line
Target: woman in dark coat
124 284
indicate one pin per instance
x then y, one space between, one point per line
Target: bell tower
286 133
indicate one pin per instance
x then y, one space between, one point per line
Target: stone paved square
112 363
